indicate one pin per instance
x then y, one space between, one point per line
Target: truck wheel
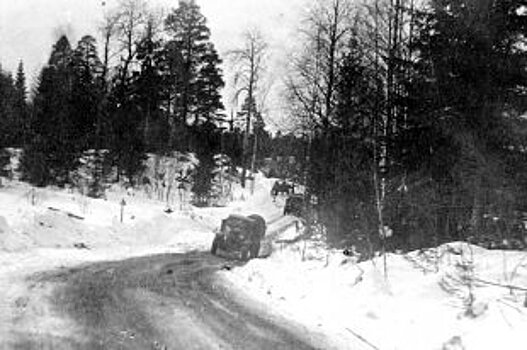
255 249
214 247
245 254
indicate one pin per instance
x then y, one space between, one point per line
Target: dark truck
294 205
240 235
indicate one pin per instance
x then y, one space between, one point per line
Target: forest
407 117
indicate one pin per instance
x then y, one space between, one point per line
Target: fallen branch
74 216
69 214
508 286
361 338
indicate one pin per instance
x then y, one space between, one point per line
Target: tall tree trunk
477 207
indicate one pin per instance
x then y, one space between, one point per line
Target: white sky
28 28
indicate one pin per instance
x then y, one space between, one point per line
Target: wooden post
123 203
181 190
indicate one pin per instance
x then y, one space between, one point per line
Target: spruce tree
54 150
20 84
8 115
127 145
206 145
87 103
86 92
21 106
151 92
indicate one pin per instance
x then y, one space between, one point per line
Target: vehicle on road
294 205
281 187
240 235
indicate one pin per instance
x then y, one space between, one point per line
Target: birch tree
249 70
314 73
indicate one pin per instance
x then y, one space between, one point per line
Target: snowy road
172 301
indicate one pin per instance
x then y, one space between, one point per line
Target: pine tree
195 63
208 84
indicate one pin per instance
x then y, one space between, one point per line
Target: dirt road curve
160 302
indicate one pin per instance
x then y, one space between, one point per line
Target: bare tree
249 69
131 18
312 81
123 28
386 29
108 30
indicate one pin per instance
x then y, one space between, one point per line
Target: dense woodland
410 116
415 115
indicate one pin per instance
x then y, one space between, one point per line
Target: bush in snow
165 177
4 163
90 178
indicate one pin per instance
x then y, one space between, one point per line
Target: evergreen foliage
150 91
54 149
464 129
8 116
194 63
206 140
89 115
21 108
86 92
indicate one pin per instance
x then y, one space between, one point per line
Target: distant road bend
171 301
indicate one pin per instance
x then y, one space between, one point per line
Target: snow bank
422 304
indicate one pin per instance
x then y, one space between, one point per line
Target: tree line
413 117
152 85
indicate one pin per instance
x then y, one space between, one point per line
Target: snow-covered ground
45 229
422 304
